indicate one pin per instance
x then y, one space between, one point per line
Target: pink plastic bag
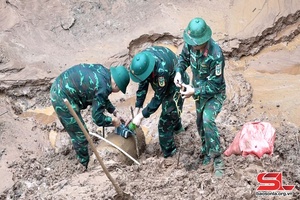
256 138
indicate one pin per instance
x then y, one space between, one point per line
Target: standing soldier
155 66
206 59
83 85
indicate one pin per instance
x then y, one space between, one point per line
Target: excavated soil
40 39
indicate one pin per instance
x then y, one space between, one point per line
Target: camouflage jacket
161 80
207 68
89 84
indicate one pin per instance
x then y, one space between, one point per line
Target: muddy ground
40 39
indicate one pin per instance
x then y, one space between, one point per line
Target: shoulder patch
161 81
218 70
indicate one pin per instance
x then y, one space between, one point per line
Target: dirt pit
41 39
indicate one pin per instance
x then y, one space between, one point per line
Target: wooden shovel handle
118 189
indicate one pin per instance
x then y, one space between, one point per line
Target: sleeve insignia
218 70
161 81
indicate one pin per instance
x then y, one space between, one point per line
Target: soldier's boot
206 160
170 153
179 129
218 166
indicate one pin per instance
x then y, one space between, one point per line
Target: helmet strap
136 77
114 86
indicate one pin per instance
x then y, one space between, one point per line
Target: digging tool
135 136
176 98
118 189
179 150
103 131
180 144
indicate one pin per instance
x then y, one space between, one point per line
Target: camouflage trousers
207 111
78 138
170 122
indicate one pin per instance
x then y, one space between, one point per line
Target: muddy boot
206 160
218 166
170 154
170 158
177 140
179 129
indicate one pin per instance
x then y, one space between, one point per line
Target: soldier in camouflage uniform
84 85
206 59
155 66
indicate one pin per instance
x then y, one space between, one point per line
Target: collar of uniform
153 74
205 52
207 48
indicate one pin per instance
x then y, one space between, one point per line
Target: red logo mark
272 181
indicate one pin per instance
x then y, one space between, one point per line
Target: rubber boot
206 160
179 129
218 166
170 154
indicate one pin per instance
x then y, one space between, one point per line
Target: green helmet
141 66
197 32
121 77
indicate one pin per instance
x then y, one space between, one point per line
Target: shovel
121 194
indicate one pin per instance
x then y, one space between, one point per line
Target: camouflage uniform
209 83
166 94
82 85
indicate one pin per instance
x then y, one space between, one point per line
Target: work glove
186 91
137 119
124 131
136 111
177 79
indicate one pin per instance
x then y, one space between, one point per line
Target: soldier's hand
115 113
177 79
137 119
187 91
118 115
116 122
